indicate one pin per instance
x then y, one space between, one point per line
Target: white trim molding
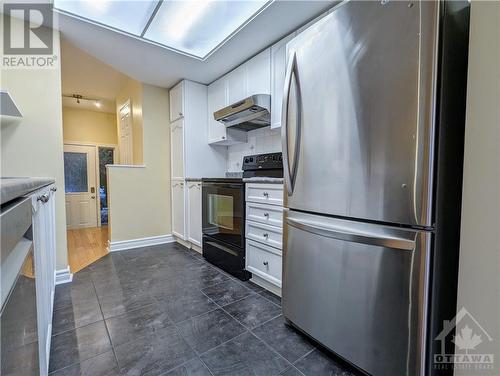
122 245
63 276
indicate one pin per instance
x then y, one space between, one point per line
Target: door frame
96 145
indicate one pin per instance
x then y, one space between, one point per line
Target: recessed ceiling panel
127 16
198 27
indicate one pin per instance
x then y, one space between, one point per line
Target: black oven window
221 211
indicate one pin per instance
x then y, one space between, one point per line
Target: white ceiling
158 66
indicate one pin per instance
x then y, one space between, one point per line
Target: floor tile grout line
262 294
265 322
272 349
303 356
106 326
222 343
73 364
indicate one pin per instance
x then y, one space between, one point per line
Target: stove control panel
263 161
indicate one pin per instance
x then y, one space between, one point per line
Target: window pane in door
75 172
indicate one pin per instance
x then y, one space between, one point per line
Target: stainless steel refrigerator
372 137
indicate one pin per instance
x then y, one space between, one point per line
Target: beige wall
34 147
133 90
139 197
89 126
479 271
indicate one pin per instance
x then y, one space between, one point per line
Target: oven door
224 212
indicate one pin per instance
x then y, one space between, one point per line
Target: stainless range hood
249 114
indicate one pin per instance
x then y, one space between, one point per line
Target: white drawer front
268 214
265 193
266 234
264 262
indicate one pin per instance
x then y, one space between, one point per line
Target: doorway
86 193
106 156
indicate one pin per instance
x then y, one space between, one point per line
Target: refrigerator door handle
290 169
343 233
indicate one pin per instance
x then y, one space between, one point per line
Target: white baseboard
196 248
138 243
266 285
63 276
182 242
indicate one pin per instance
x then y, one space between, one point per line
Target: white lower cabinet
178 214
44 243
264 233
194 212
264 261
269 235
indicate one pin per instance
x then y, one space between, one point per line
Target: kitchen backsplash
263 140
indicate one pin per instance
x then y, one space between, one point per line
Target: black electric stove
223 213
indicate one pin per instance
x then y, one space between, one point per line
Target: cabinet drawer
266 234
265 193
264 262
268 214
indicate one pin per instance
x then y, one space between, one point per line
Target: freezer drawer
359 289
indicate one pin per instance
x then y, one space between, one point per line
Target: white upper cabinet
252 77
237 84
177 102
258 74
191 155
278 71
217 99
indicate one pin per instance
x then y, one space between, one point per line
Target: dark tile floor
165 311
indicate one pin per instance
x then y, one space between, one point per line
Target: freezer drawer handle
351 236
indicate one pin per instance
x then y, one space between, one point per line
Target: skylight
193 27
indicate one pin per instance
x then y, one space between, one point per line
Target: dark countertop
12 188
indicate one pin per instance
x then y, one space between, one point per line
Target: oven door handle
222 185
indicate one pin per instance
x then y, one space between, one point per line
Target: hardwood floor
86 246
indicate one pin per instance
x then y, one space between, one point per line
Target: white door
126 150
194 204
80 186
178 209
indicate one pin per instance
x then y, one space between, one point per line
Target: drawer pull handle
266 215
265 263
266 235
265 194
43 198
